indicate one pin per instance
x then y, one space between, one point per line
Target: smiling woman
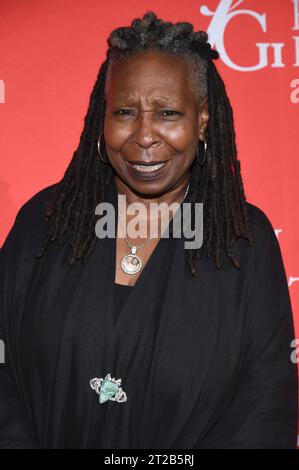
151 147
197 353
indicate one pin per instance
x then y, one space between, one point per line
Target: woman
196 341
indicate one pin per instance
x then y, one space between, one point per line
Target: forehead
150 74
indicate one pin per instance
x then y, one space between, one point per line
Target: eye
119 112
170 111
128 112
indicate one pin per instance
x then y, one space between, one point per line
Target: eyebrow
158 100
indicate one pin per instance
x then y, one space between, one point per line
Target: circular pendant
131 264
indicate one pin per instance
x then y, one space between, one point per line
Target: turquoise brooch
108 389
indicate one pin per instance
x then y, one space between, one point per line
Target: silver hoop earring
99 150
201 163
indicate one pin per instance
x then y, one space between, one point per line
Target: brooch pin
108 389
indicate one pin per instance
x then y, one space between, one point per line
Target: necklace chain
144 243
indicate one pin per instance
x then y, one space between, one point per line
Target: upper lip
140 162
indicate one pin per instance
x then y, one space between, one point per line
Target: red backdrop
50 53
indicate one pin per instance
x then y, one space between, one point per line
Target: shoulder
258 219
262 229
264 239
267 271
30 219
264 249
36 205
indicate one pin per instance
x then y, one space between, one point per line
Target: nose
145 134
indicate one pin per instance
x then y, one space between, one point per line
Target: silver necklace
131 263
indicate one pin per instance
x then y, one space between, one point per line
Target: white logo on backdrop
295 93
221 17
2 91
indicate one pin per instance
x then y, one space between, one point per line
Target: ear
203 118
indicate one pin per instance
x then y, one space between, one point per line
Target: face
152 117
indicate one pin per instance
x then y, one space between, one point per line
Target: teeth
148 168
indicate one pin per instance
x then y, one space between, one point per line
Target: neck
163 215
175 194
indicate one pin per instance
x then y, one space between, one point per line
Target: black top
204 362
121 293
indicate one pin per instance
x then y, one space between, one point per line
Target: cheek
179 137
184 141
115 134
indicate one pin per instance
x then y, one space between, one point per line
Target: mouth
147 168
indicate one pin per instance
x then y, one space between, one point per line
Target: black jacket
205 362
